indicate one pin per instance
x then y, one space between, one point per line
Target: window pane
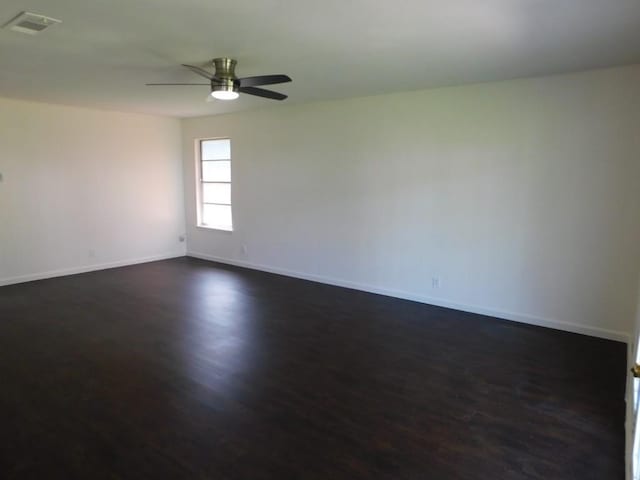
216 171
218 216
216 149
216 193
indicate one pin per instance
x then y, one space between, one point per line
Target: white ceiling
105 51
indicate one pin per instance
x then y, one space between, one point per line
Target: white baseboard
515 317
86 268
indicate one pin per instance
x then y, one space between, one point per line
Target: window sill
219 229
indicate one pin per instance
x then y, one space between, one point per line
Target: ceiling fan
226 86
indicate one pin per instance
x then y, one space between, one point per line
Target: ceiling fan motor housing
226 79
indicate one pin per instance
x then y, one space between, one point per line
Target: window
214 192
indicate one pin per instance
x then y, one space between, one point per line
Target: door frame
633 404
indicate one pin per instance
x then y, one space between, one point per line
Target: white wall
521 196
85 189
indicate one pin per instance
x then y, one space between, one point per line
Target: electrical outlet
92 253
435 282
181 238
243 250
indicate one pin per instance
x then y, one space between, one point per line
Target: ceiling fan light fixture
224 89
224 94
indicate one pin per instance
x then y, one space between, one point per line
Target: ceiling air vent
30 23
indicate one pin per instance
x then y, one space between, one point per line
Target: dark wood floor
189 369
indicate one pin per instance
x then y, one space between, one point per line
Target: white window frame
200 182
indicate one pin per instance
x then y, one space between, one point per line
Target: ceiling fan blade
163 84
263 80
200 71
261 92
